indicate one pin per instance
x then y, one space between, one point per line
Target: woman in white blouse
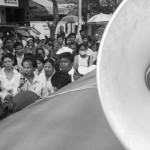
9 78
49 71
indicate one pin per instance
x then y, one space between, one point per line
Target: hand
76 75
8 97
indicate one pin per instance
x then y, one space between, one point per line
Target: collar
35 79
71 71
17 56
36 72
14 70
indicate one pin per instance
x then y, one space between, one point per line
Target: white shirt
89 51
7 85
83 61
19 63
79 39
48 87
41 75
37 86
71 73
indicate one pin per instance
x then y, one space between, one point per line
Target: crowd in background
43 65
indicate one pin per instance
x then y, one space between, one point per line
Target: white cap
28 39
64 50
85 70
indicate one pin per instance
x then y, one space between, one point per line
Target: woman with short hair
9 78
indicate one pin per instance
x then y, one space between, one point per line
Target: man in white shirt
79 37
32 82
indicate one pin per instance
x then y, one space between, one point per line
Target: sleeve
75 64
3 95
47 90
16 84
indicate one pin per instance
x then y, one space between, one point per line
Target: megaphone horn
123 74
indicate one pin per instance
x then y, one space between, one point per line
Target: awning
62 9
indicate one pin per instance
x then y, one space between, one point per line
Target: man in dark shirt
62 33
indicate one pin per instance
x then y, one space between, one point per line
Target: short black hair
40 58
4 36
81 30
29 55
30 58
40 48
8 55
72 43
32 38
17 44
72 34
60 36
68 56
49 40
60 79
8 38
83 44
51 61
85 36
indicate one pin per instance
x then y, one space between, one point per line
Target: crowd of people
43 65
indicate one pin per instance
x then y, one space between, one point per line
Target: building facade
14 10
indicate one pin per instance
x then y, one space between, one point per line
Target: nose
25 70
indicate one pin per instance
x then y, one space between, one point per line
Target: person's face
9 44
85 40
50 42
72 38
65 64
3 39
82 51
37 41
82 33
42 42
60 41
49 69
73 47
68 41
1 34
28 68
17 37
8 63
24 38
19 50
61 28
94 47
30 43
39 65
50 47
56 47
40 52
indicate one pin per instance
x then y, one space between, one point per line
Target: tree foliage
100 6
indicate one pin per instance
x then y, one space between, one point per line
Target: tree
53 25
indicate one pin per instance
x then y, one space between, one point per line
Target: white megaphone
123 75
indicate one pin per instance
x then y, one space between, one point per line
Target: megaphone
123 74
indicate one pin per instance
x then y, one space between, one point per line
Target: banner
9 3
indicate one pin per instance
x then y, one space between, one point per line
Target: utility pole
79 15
